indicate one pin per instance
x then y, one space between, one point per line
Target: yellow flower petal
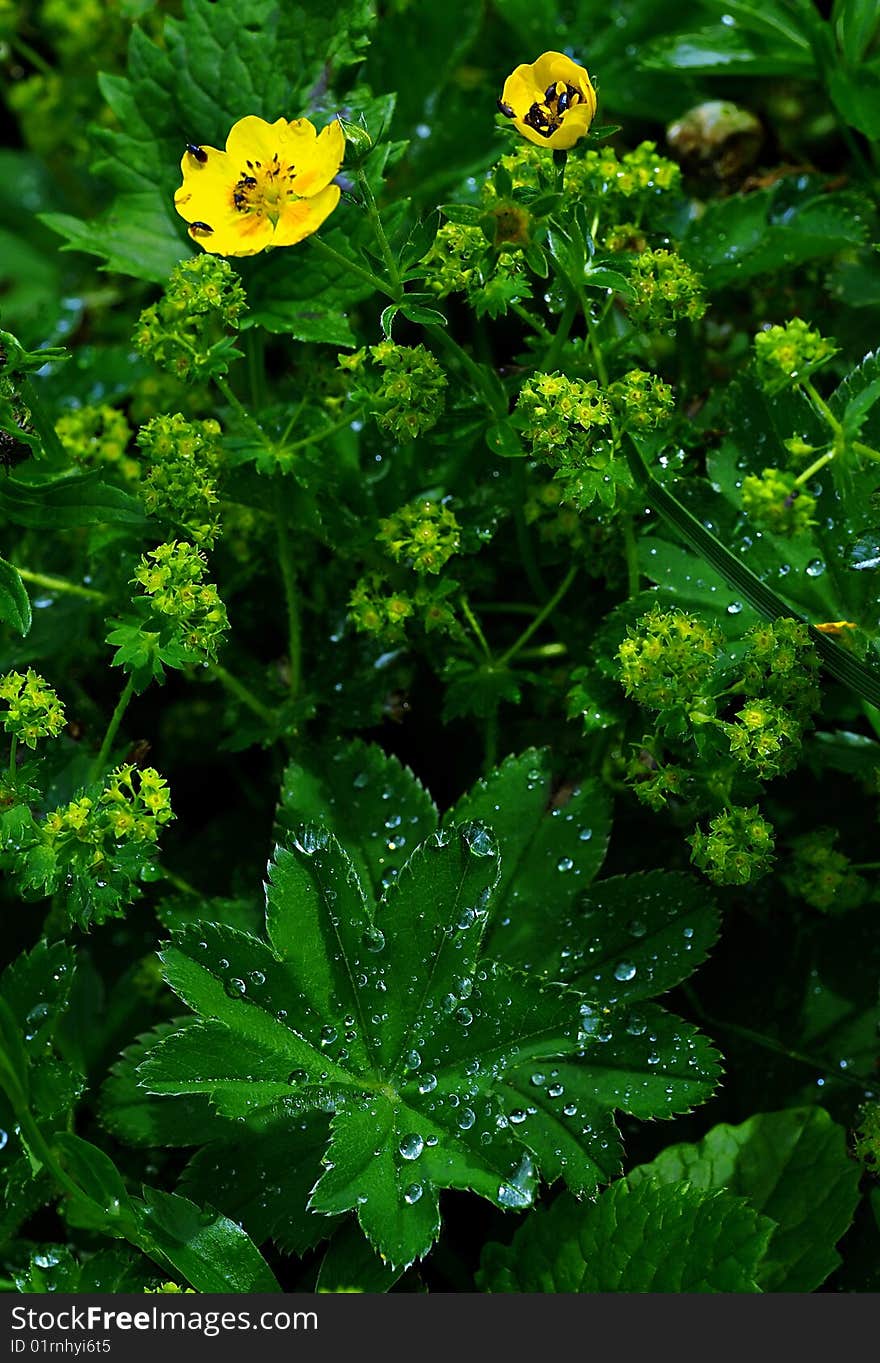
538 96
300 219
271 186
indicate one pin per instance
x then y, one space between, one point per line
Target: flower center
264 190
546 116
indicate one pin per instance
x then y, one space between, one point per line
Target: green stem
39 1146
241 692
31 55
318 436
238 406
523 535
559 160
553 355
330 253
476 627
631 550
100 761
179 883
254 349
816 465
491 392
376 223
539 619
531 321
768 1043
288 577
867 450
13 754
60 584
821 406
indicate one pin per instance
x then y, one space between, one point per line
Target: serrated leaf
641 934
652 1238
552 841
36 986
377 809
794 1167
390 1020
142 1119
54 1268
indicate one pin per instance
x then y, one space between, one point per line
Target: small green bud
737 849
789 354
776 504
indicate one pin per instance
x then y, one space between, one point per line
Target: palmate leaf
654 1237
391 1019
394 1021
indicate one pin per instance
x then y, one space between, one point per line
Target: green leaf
100 1181
377 809
15 605
141 1119
210 1251
857 97
138 235
793 1166
63 503
640 935
771 230
54 1268
391 1020
549 835
650 1238
262 1179
352 1265
36 986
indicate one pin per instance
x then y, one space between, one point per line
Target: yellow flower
270 187
552 102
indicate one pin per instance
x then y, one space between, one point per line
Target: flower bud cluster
33 710
790 353
133 806
402 387
186 332
668 659
180 483
172 575
423 534
738 847
823 876
97 435
666 289
776 504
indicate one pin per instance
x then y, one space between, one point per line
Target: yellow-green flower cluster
668 659
402 387
737 849
374 608
561 415
823 876
786 354
781 665
172 575
133 807
641 400
666 288
183 459
599 176
186 331
765 738
461 260
95 435
776 504
653 783
423 534
33 711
